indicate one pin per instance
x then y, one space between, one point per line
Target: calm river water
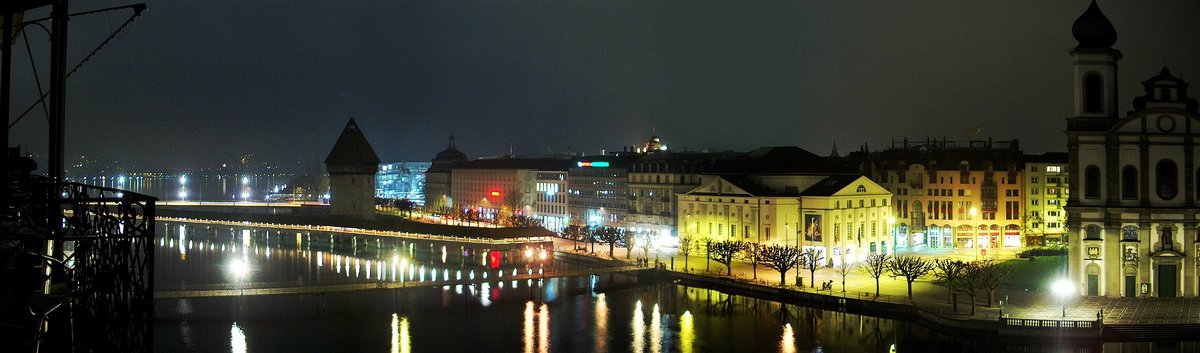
605 313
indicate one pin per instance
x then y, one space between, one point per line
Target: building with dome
352 165
437 178
1132 208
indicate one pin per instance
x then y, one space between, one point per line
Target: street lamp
974 228
892 225
1063 288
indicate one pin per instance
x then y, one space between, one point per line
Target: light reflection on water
639 328
656 332
687 332
528 327
354 259
401 342
237 339
788 343
601 316
544 329
662 318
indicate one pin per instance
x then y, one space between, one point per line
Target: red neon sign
495 194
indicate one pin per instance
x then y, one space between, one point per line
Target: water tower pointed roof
352 148
1093 30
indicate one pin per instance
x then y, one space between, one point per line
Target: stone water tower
352 165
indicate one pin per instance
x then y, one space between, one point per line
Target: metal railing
104 283
1073 324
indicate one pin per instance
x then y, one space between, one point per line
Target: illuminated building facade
846 217
437 178
656 180
1132 210
402 180
599 189
786 195
550 204
1046 190
534 187
953 194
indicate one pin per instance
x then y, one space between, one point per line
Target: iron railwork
97 297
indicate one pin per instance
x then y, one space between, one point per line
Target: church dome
450 154
1093 30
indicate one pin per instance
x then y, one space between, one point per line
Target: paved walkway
1033 303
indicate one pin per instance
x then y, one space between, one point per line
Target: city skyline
277 82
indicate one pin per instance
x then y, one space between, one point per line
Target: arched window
1092 232
1092 89
1167 179
1091 182
1129 233
1129 183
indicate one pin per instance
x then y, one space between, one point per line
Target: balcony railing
95 298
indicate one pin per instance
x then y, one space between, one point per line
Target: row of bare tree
970 278
613 236
781 258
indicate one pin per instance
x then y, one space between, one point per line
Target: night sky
196 83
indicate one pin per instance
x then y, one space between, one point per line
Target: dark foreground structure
76 263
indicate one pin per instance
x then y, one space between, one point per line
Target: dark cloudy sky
192 83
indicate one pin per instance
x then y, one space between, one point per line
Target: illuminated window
1129 233
1051 169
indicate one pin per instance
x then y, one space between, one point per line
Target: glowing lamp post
892 225
1063 288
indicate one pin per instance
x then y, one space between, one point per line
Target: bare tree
874 267
722 252
812 259
574 232
780 258
590 233
630 239
685 248
405 207
521 221
608 235
911 268
752 253
972 281
707 253
844 268
950 271
994 275
646 240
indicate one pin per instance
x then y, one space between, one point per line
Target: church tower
1095 64
352 165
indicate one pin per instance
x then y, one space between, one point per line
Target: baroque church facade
1133 205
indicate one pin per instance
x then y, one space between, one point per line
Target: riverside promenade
1022 298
